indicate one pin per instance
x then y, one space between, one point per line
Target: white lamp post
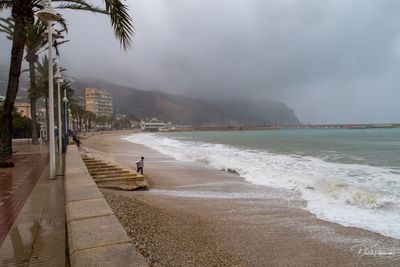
70 119
59 80
48 14
65 100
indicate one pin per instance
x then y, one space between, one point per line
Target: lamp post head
48 13
57 76
65 99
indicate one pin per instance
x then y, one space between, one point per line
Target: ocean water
347 176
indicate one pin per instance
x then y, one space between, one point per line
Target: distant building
23 108
155 125
2 98
99 101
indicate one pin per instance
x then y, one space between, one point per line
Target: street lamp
70 120
59 80
65 124
48 14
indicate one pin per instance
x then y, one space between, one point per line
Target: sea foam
352 195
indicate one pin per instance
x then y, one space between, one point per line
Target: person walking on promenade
76 140
140 165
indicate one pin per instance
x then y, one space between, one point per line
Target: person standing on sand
140 165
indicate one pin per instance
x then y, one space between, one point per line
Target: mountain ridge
186 110
177 108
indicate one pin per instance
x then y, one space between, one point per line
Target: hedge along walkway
95 235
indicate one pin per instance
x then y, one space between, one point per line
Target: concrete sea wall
95 235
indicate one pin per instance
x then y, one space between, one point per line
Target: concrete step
88 158
101 166
130 186
104 169
97 164
108 172
92 161
115 169
111 175
107 175
131 178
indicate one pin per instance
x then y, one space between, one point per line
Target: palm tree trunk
17 53
31 58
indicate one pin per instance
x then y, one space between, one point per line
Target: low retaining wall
95 235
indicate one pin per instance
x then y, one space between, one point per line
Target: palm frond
63 24
36 41
34 36
7 27
57 44
42 74
6 4
120 21
117 11
81 7
78 5
37 3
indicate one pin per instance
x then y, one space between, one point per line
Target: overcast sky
332 61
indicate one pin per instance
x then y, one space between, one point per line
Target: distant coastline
349 126
275 127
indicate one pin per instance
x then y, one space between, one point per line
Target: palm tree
91 118
22 12
42 86
42 83
79 115
35 44
102 122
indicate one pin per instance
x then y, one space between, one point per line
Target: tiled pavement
32 211
16 184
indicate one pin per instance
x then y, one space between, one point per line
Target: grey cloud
332 61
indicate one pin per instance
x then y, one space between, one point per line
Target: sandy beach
197 216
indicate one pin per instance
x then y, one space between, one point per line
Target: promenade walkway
32 211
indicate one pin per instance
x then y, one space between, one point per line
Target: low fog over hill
185 110
176 108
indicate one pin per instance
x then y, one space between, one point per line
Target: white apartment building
99 101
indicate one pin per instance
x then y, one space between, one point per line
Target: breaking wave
353 195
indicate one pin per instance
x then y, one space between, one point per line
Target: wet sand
197 216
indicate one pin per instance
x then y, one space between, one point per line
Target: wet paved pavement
32 212
16 184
